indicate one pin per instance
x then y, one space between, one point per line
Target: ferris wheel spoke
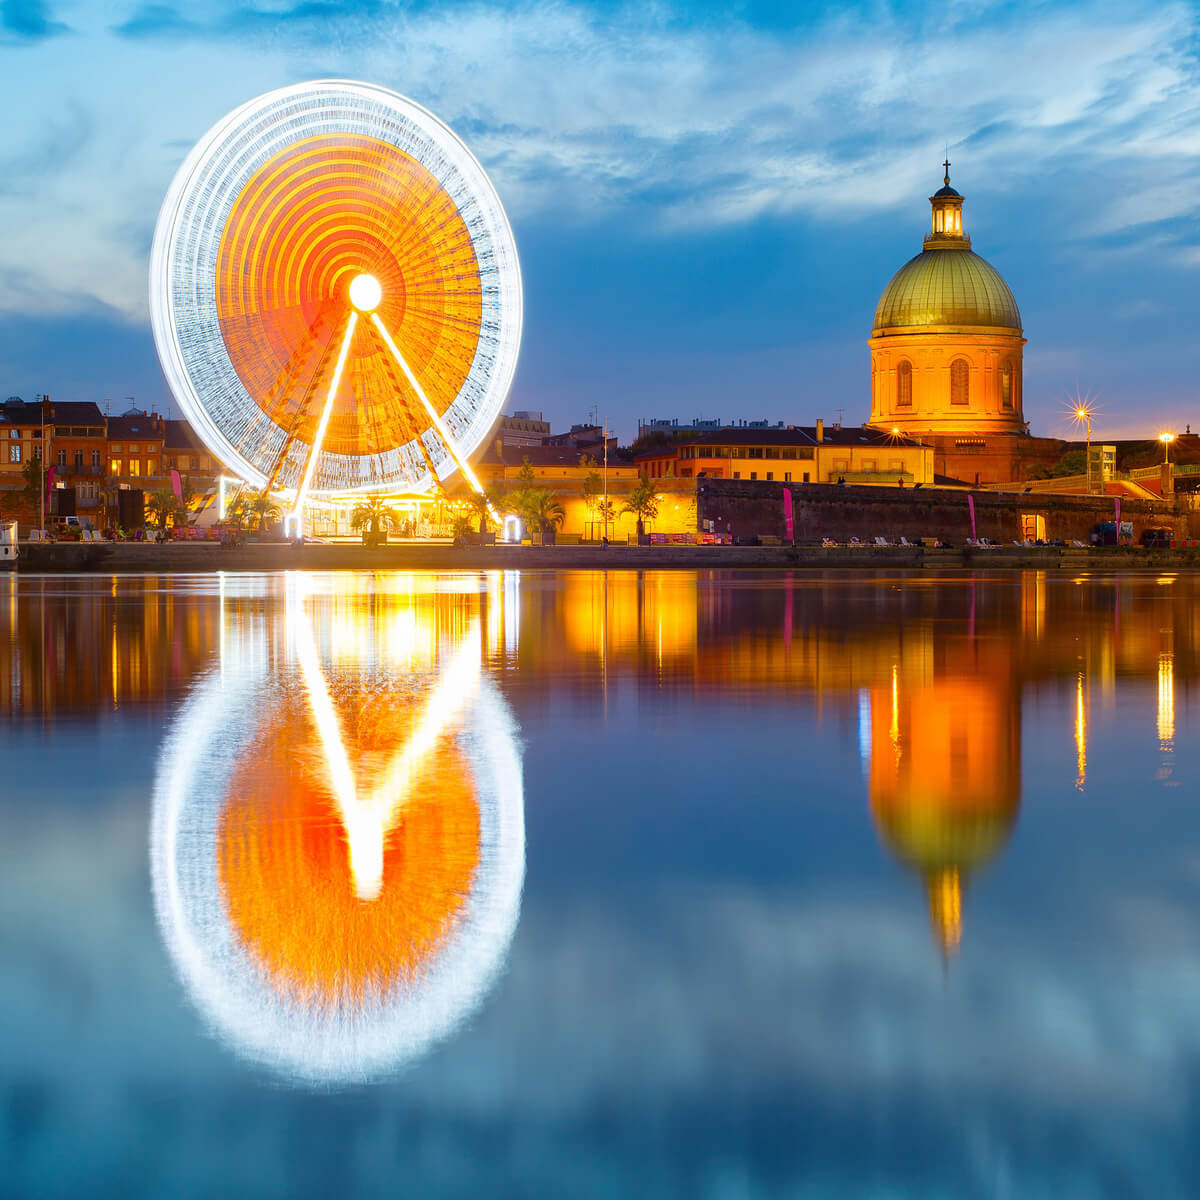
438 424
315 452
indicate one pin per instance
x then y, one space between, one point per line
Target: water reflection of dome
338 846
945 784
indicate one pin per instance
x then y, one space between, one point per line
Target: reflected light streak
1166 701
1080 734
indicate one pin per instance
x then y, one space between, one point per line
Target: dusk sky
707 199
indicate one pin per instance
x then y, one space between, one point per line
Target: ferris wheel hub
365 293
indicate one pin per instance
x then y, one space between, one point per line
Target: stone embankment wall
124 558
748 509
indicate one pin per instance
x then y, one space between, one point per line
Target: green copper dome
950 286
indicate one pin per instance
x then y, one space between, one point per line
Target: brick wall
749 509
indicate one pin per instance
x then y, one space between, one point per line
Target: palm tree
643 503
264 511
543 510
161 505
370 515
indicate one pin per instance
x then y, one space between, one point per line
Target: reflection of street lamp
1166 439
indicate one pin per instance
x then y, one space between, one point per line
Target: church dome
947 286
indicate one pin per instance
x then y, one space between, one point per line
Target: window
134 447
116 447
1006 385
806 476
895 465
737 474
62 458
152 466
135 466
770 475
95 460
904 384
960 386
869 465
14 453
79 460
14 433
753 474
116 466
787 477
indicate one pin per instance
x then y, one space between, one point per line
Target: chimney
820 430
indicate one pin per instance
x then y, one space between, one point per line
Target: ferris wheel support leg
438 424
310 465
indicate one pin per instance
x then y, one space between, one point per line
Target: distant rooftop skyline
708 200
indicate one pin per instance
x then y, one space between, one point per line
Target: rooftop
796 435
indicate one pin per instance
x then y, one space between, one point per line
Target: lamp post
1166 439
604 510
1084 415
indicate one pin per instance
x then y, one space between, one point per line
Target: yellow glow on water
1080 734
1166 701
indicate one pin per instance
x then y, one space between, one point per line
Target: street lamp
1166 439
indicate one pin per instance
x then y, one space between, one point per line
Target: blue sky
707 200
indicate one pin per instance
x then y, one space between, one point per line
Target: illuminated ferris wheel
335 294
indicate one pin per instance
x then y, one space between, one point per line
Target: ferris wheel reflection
338 832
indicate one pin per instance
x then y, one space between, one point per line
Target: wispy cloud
28 21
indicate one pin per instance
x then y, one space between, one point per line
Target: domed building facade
946 356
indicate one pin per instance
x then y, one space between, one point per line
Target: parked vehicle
1157 537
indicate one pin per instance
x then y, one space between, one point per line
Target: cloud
28 21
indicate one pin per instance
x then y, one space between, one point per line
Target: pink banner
788 518
177 484
971 507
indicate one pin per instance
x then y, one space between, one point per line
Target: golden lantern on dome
945 784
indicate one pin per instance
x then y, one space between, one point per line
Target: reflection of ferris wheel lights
365 293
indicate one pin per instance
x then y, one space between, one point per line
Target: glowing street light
1166 439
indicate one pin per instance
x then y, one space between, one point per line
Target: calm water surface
672 884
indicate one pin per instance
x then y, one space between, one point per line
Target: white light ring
480 399
230 990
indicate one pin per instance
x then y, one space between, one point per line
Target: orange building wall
931 351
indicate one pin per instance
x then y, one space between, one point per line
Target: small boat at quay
8 545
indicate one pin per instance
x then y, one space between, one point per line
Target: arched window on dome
904 384
960 382
1006 385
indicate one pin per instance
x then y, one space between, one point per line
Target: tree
543 510
183 505
606 512
32 473
525 476
593 486
161 506
643 503
371 514
263 511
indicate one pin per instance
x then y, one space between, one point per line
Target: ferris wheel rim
473 410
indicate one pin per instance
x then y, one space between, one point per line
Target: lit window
152 466
116 466
135 466
960 386
904 384
14 453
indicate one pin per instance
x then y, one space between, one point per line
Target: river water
697 884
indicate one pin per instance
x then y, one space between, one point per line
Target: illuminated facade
335 293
